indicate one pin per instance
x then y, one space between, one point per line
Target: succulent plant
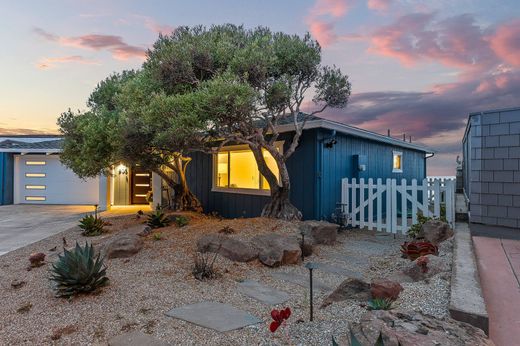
416 249
157 219
91 225
379 304
78 271
181 221
355 342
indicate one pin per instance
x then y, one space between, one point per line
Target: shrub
379 304
414 250
157 219
157 236
78 271
91 225
181 221
416 228
203 268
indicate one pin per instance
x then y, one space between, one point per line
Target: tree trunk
183 198
280 207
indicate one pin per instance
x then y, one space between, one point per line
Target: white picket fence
391 207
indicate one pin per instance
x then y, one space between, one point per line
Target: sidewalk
499 269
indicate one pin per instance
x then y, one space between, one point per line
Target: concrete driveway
21 225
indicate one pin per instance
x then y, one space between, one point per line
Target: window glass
222 169
398 162
271 163
243 170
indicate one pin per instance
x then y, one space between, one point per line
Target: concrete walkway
499 268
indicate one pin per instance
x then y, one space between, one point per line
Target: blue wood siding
340 162
302 170
6 178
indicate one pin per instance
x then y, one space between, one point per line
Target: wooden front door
141 184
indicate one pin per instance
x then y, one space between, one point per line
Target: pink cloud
379 5
114 44
323 32
158 28
334 8
506 42
321 28
46 63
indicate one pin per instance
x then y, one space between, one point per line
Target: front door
141 184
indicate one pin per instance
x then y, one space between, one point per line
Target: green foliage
157 219
91 225
181 221
380 304
78 271
414 230
157 236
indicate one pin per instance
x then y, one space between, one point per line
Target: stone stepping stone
329 268
136 338
368 248
302 280
262 293
213 315
360 262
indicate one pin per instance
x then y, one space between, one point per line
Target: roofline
31 136
354 131
489 111
30 151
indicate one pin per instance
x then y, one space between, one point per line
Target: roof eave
30 151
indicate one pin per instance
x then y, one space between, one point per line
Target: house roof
31 144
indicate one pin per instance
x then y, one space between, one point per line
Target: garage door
42 179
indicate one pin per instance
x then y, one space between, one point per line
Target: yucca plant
78 271
379 304
157 219
181 221
91 225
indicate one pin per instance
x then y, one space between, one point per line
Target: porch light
122 169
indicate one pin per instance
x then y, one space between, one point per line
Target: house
491 171
31 173
227 182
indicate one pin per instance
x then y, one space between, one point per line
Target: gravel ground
157 279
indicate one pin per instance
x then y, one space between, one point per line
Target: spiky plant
379 304
181 221
78 271
157 219
91 225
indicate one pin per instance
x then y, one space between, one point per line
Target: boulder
122 246
385 289
413 329
275 250
434 265
228 247
37 259
435 231
322 232
349 289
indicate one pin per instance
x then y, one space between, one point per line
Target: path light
311 266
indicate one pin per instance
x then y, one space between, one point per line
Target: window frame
243 191
400 154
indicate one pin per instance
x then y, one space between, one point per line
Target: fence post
354 213
370 204
436 198
379 197
393 206
414 201
362 203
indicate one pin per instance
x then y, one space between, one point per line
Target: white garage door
42 179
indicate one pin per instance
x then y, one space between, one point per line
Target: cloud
114 44
506 42
46 63
321 26
379 5
334 8
156 27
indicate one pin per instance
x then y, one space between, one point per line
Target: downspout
426 158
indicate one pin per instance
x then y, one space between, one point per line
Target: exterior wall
341 161
6 178
491 149
302 169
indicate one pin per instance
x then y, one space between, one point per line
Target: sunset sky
416 67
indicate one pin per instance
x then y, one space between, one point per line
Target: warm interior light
35 187
35 198
222 169
142 174
35 163
271 163
142 184
243 170
397 161
140 195
35 175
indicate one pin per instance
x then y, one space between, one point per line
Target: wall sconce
122 169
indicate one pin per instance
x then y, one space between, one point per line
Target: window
236 170
397 162
35 163
35 198
35 187
35 175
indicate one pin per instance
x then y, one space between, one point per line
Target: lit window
35 187
35 198
237 169
35 175
140 195
142 184
35 163
397 162
142 174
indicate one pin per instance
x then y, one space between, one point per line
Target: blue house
229 182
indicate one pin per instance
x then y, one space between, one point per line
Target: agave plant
91 225
379 304
78 271
416 249
157 219
181 221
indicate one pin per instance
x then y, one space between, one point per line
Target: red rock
385 289
36 259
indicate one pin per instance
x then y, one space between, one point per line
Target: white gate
389 207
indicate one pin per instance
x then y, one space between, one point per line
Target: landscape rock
17 283
435 231
435 265
123 246
228 247
37 259
322 232
275 250
351 288
413 329
385 289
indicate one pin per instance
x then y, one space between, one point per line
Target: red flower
279 316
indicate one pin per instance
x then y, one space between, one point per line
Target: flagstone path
263 293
